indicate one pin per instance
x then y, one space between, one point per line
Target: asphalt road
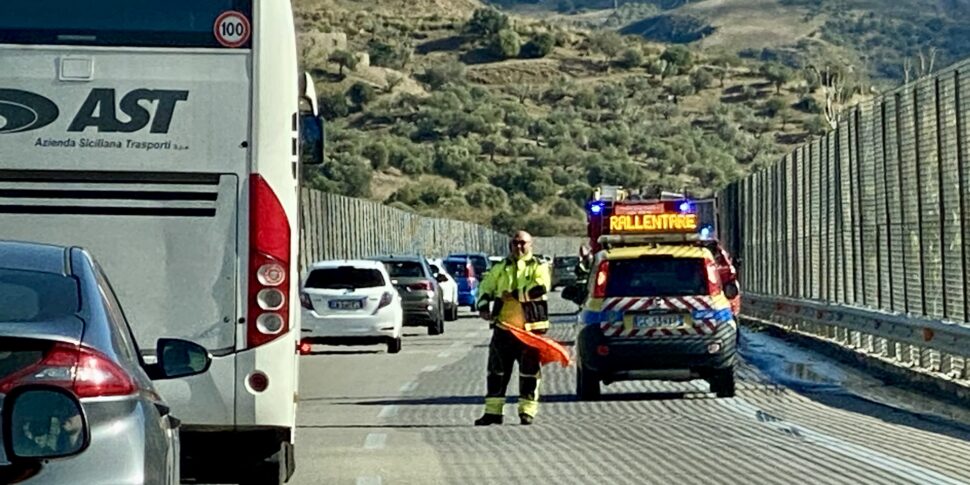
368 417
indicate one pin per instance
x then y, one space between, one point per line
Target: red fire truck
617 216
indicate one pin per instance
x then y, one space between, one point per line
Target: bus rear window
135 23
657 276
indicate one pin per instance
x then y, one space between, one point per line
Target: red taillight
305 301
421 286
386 299
305 347
602 275
713 281
86 372
269 261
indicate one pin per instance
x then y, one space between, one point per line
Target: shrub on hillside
486 22
506 44
541 45
630 58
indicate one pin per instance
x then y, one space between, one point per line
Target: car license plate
346 304
652 321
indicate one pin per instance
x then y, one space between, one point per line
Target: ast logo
21 111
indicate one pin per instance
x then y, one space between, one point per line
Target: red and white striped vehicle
655 312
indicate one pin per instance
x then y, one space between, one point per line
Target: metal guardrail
935 347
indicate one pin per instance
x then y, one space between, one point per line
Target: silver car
76 399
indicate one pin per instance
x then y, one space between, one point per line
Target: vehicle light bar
633 239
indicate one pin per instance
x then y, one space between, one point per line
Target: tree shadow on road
551 398
343 352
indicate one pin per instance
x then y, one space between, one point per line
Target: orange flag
549 350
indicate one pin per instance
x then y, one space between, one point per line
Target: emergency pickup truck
672 217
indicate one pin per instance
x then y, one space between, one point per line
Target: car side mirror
441 278
731 290
42 423
574 293
179 358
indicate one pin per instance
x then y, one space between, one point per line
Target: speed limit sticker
232 29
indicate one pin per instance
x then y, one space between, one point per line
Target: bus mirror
312 139
308 93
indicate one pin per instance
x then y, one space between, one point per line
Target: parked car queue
369 301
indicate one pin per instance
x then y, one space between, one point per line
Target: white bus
167 137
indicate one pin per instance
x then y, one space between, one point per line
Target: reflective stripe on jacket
520 287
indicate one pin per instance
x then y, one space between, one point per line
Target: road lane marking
388 411
456 344
375 441
409 386
368 480
445 354
429 368
890 464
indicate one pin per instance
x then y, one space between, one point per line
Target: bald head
521 244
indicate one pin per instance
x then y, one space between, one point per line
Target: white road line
388 411
429 368
890 464
409 386
445 354
368 480
375 441
457 344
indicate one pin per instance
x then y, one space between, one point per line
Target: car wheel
451 313
272 471
437 326
722 383
587 384
394 346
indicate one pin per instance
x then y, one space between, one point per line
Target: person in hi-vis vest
513 294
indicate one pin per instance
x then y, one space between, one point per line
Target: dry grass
752 23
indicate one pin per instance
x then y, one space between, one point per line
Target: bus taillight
269 261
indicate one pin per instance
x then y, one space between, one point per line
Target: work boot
488 419
526 419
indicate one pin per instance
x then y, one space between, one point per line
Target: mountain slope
482 117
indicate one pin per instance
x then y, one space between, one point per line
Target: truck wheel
722 383
587 384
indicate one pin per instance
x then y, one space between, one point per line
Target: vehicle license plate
651 321
346 304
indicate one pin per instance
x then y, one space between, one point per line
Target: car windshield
657 276
345 277
30 296
457 269
567 262
404 269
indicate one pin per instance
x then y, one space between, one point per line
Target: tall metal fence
342 227
873 214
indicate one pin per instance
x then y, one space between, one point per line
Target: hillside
886 38
445 109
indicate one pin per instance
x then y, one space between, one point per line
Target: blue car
462 269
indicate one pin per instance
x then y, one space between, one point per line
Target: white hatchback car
448 286
351 302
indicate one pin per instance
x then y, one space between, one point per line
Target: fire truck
620 217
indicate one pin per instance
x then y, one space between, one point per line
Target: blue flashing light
595 209
686 206
705 232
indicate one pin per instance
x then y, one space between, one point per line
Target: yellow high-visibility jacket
519 289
